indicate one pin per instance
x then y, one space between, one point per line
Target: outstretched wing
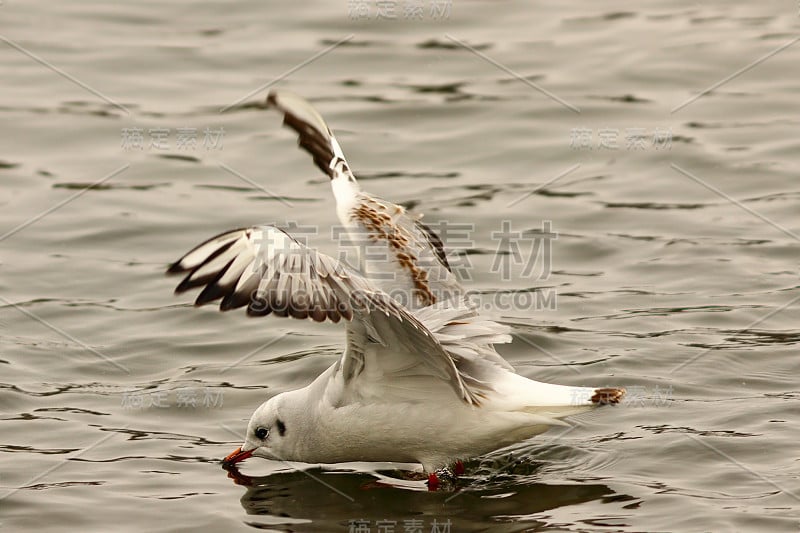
395 250
266 270
315 136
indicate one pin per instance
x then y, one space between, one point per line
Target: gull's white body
434 432
419 380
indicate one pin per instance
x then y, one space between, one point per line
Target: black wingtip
184 285
175 268
212 292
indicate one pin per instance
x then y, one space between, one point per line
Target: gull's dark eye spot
281 427
262 433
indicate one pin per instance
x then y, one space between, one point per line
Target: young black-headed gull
419 380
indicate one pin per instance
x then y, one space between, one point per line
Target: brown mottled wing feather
397 252
404 257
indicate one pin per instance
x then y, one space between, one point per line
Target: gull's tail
555 401
607 396
469 338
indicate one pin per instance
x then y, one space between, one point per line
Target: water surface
674 271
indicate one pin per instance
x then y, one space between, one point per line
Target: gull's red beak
236 456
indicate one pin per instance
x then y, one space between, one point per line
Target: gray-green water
116 395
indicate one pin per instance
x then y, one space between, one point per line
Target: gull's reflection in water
493 499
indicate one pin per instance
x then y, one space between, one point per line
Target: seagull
419 379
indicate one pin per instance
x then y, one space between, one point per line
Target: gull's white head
267 434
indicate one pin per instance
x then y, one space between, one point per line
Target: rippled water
674 272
